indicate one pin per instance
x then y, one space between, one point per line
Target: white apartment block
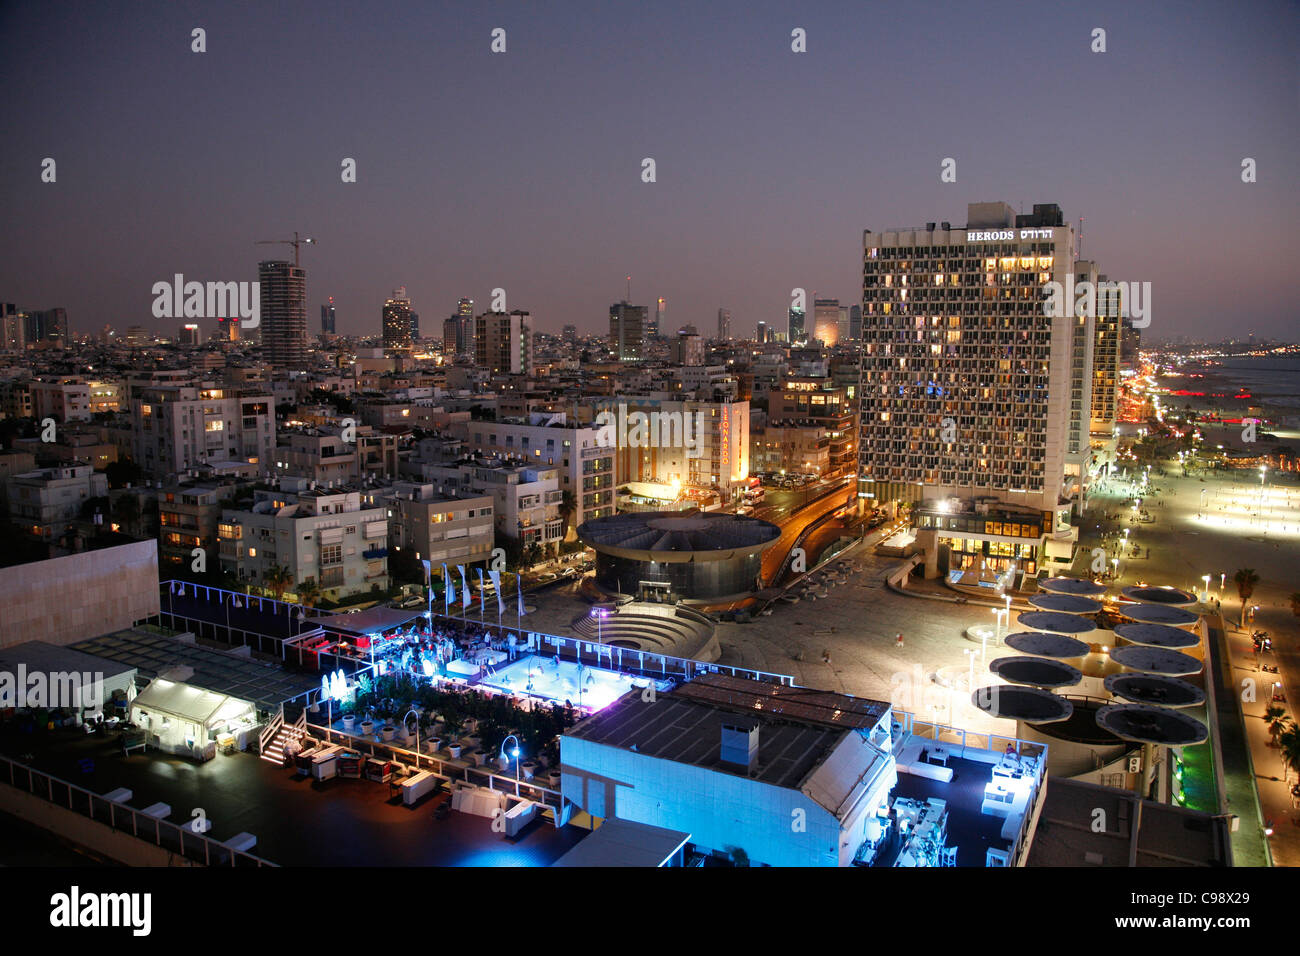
175 428
332 536
525 498
46 502
64 400
586 470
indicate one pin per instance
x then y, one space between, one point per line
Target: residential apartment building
820 402
63 399
627 324
330 536
525 498
791 447
503 342
318 454
177 427
586 469
47 501
188 518
436 527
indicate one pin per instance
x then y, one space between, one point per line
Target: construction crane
295 242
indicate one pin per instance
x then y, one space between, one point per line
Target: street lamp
1115 565
1206 579
514 752
417 734
599 613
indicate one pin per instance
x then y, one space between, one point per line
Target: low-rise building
47 501
329 536
437 527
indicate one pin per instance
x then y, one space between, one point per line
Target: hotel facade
975 402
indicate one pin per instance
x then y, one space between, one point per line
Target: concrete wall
119 845
65 600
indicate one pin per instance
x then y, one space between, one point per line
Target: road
794 526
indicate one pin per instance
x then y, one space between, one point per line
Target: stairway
273 749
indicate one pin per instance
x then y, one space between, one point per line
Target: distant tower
397 320
328 318
284 313
724 325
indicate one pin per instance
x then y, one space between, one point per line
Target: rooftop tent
182 719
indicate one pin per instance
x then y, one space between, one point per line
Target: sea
1272 378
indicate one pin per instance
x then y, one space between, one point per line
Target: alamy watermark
211 300
624 429
52 689
1132 298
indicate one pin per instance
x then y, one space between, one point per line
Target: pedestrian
900 639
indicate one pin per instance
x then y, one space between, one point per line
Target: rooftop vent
740 744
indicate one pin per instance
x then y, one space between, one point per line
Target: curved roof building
671 556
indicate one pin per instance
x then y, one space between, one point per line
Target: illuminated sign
1002 235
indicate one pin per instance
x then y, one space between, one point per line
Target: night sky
523 170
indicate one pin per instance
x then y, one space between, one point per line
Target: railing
479 776
270 730
172 837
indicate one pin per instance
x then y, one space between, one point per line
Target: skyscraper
458 330
660 321
797 332
724 325
965 388
826 321
283 313
626 331
328 318
503 342
762 332
397 320
855 323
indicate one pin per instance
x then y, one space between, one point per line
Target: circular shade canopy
1036 671
1173 597
1151 725
1071 586
1033 705
1065 603
1043 644
1157 635
1057 622
1155 660
1155 690
1156 614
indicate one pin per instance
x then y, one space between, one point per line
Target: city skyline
184 177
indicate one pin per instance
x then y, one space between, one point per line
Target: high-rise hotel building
283 313
974 401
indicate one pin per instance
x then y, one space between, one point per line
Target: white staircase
278 733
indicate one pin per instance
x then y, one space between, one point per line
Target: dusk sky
523 170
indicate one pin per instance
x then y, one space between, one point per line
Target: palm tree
1275 717
278 579
568 508
1289 741
1245 579
309 592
